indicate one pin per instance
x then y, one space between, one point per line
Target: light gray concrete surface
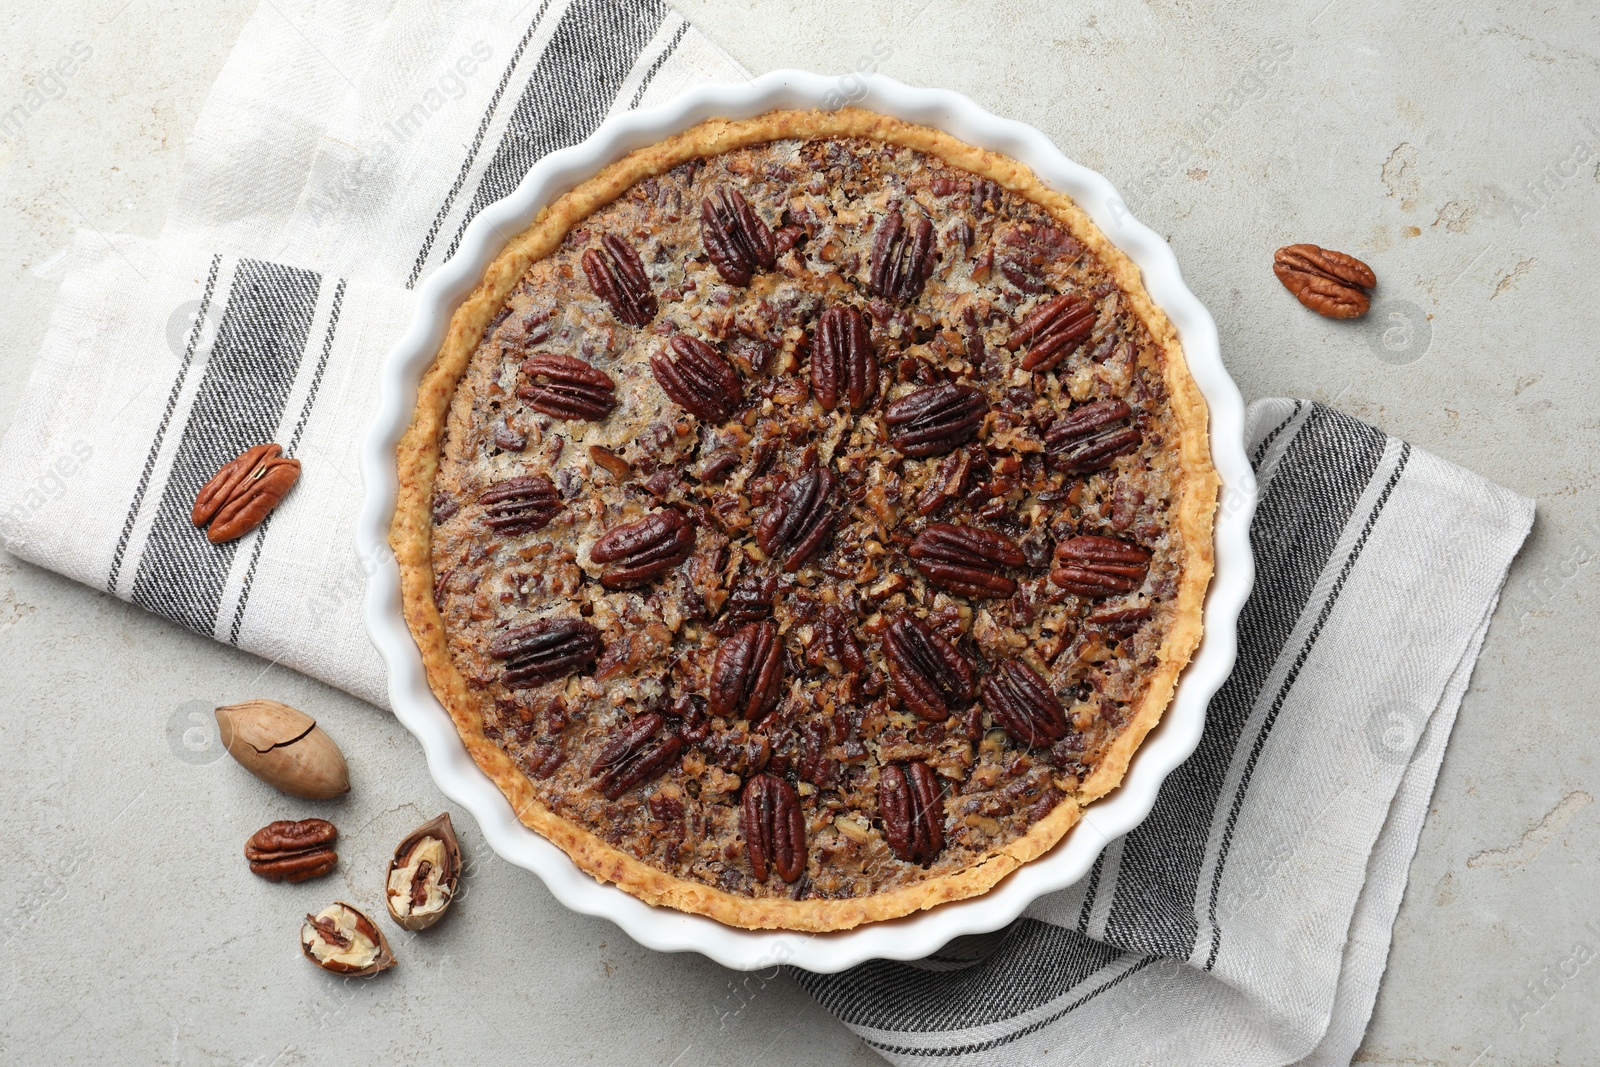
1453 146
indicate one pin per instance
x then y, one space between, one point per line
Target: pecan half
1090 436
287 851
844 364
966 559
546 650
1120 622
912 809
931 676
1023 704
239 497
750 601
902 258
738 242
747 673
800 518
936 419
1094 566
636 753
566 387
1328 282
520 505
616 274
643 550
697 379
1053 331
774 828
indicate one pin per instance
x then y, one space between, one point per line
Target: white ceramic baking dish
917 935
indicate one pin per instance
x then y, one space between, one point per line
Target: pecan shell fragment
1053 331
1328 282
565 387
966 560
747 674
936 419
736 238
636 753
844 364
800 518
644 550
546 650
286 851
239 497
931 676
1090 436
616 274
912 809
423 874
698 379
1023 705
1094 566
341 939
520 505
902 258
774 828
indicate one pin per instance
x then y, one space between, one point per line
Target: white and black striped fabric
337 162
1247 920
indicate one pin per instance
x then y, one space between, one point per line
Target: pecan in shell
635 553
565 387
636 753
287 851
616 274
912 808
774 828
931 676
520 505
936 419
844 364
800 518
737 240
239 497
546 650
1053 331
1094 566
747 673
1328 282
965 559
1090 436
1023 705
697 379
902 258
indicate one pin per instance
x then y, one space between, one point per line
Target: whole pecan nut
844 364
1090 436
697 379
520 505
912 809
936 419
1053 331
239 497
966 559
747 673
616 274
1023 704
286 851
931 676
800 518
546 650
902 258
636 753
736 238
644 550
565 387
1094 566
1328 282
774 828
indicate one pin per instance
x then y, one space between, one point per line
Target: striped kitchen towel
337 163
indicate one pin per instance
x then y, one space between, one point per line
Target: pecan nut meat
931 676
912 808
341 939
637 753
636 553
565 387
286 851
965 559
1330 283
1094 566
1023 705
844 363
546 650
520 505
902 258
800 518
737 240
747 673
423 874
936 419
774 828
616 274
697 379
1053 331
241 495
1090 436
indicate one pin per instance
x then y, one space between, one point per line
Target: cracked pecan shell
800 518
1053 331
736 239
931 676
1023 705
902 258
616 274
1328 282
636 753
966 559
546 650
774 828
566 387
747 673
936 419
520 505
844 364
637 552
1090 436
698 379
911 805
1094 566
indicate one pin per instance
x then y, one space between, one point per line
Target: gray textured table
1453 146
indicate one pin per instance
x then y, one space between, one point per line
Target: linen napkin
336 163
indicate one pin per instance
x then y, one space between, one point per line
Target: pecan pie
805 519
